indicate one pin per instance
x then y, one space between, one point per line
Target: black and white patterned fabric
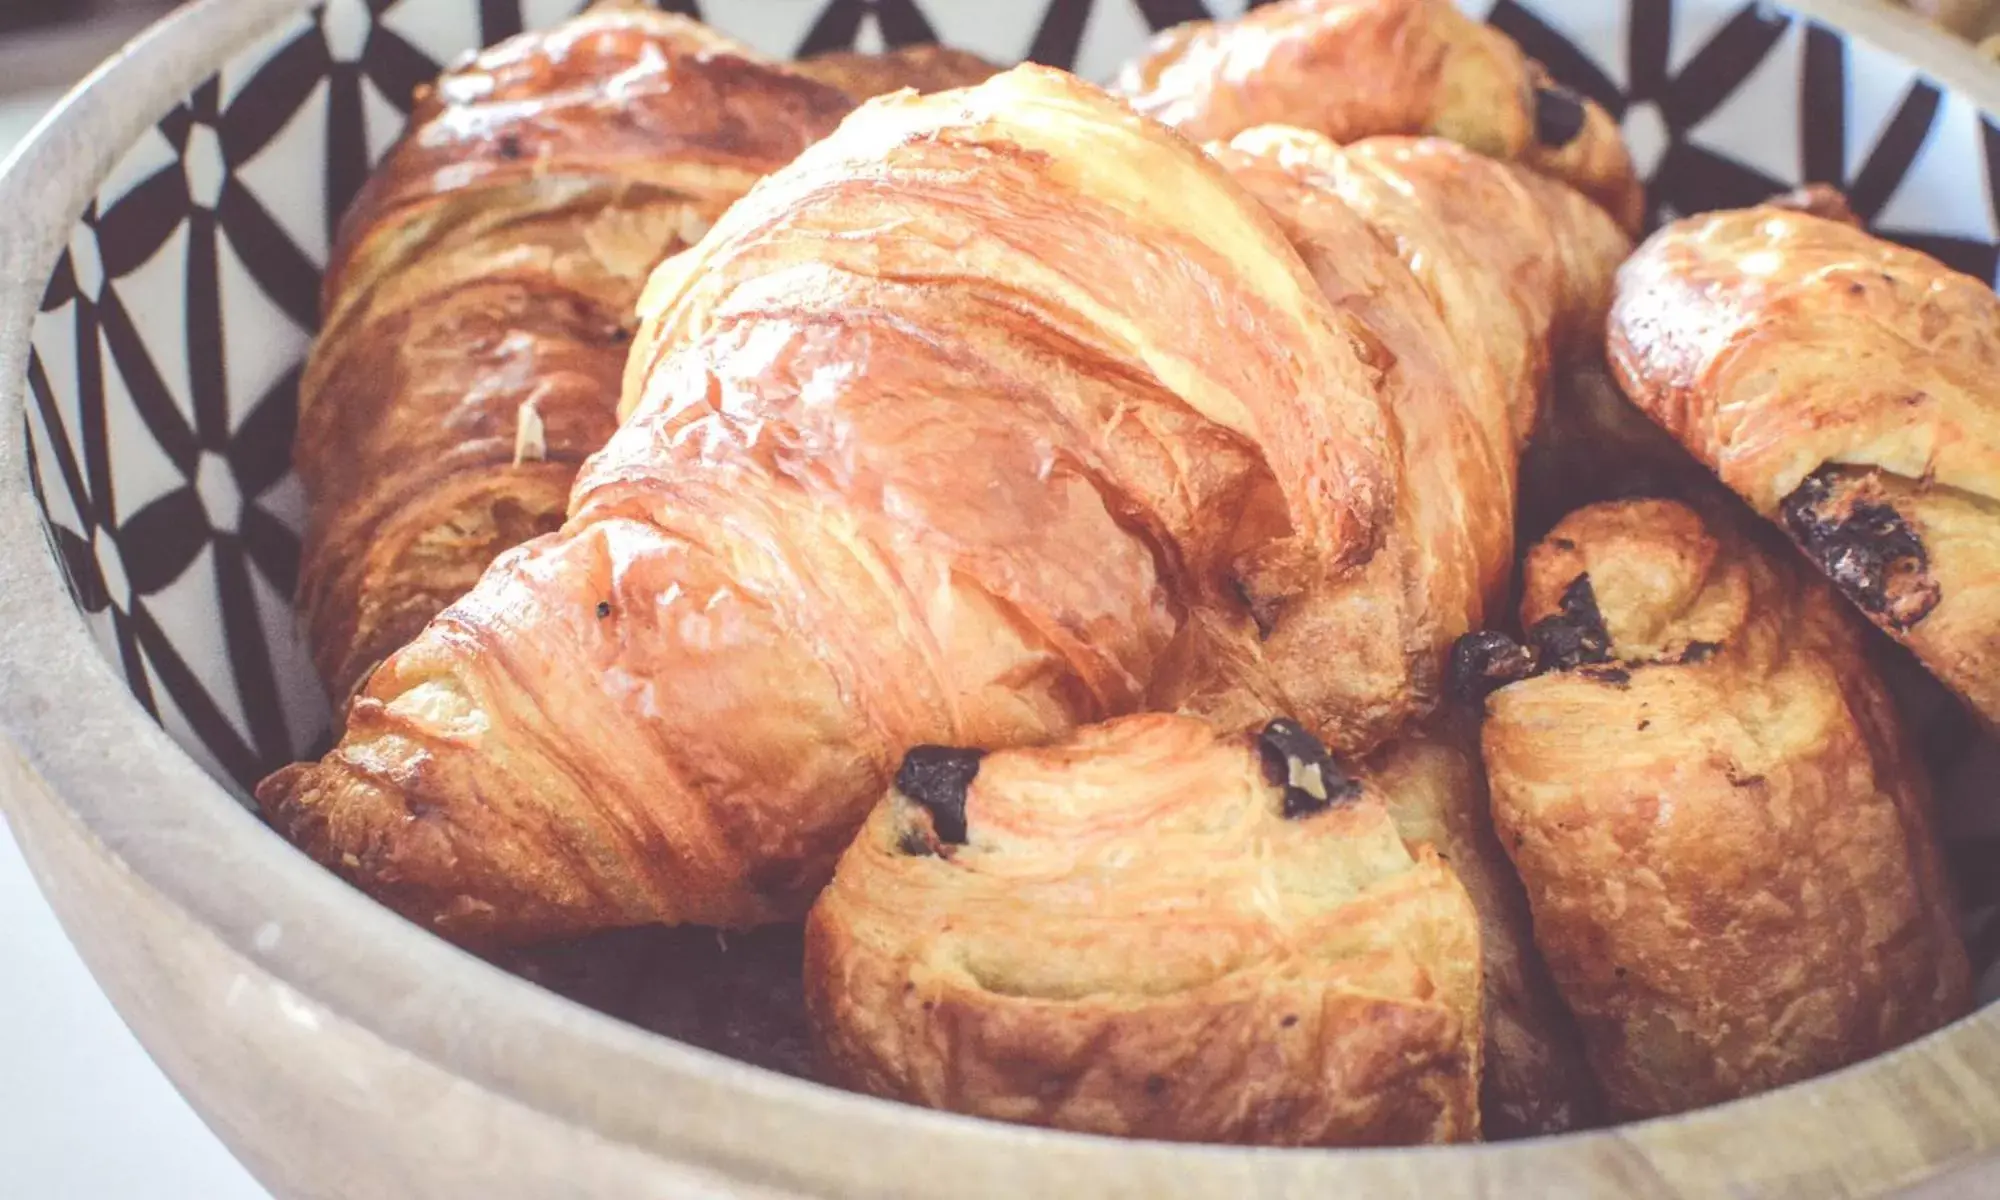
165 357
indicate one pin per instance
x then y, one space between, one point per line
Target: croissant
476 303
1153 930
1350 69
953 482
1843 386
1726 843
1502 271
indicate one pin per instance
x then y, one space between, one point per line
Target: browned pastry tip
966 484
1726 843
477 303
927 68
1844 387
1357 68
1155 930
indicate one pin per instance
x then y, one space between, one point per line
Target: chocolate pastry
1142 935
1726 840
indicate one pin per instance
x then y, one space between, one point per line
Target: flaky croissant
954 481
1725 841
1350 69
1844 387
1501 272
1151 930
477 302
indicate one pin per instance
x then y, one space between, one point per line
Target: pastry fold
1350 69
938 436
1152 930
477 304
1844 387
1726 842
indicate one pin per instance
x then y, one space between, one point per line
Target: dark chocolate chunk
1575 636
1558 116
937 777
1864 545
1700 652
1485 661
1296 761
603 609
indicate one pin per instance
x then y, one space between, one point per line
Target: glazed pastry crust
477 302
1844 387
1725 841
1404 67
1534 1080
1134 940
957 481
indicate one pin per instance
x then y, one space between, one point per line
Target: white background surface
84 1113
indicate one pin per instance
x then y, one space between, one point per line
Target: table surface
84 1113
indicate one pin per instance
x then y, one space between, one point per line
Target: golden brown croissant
926 68
1350 69
1534 1079
477 303
954 481
1844 387
1502 271
1154 930
1726 843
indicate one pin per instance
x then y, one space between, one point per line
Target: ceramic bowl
166 231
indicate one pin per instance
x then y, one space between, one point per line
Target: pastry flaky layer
1402 67
477 301
1155 930
1726 843
1846 388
